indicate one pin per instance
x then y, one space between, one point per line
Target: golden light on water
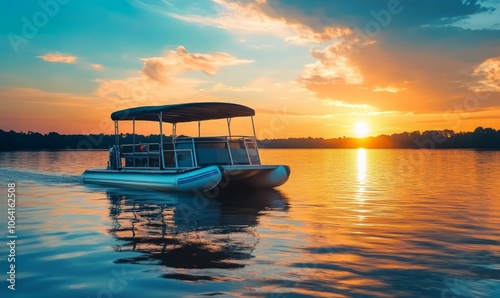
361 166
361 177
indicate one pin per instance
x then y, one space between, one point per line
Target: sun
361 129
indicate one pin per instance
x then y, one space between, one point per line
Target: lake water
348 223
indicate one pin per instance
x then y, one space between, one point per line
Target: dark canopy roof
186 112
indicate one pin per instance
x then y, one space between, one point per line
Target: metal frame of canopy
178 113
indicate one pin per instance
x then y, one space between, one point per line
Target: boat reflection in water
183 231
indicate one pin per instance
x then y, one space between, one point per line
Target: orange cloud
331 68
141 90
357 68
98 67
160 78
175 62
391 89
224 87
488 74
252 18
425 81
58 57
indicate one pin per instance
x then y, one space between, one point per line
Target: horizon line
290 137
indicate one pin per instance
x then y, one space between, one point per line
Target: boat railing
178 158
145 155
191 152
222 150
222 137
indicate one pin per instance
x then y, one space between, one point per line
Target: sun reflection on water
361 175
361 164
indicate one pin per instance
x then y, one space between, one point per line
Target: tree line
481 138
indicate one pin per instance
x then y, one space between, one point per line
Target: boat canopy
186 112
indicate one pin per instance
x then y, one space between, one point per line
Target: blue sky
319 66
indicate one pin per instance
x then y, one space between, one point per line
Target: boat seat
168 156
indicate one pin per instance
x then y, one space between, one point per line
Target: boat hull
199 179
202 179
257 176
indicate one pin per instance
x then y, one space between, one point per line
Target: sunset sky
315 68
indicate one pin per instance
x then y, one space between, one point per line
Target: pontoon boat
179 163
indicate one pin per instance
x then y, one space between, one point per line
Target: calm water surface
348 223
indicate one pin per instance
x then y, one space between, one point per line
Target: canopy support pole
253 127
160 161
199 129
133 139
174 134
229 126
133 131
117 138
117 147
227 140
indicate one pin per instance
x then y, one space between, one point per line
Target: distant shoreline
480 138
